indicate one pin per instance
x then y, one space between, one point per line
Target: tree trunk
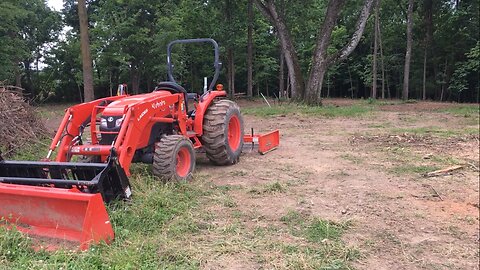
381 56
135 77
110 83
320 65
424 87
328 86
389 94
375 51
230 53
233 76
18 76
321 61
250 49
230 72
312 94
428 20
86 57
295 75
444 79
28 76
266 87
351 82
149 85
287 91
281 77
408 54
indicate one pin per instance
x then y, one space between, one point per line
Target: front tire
174 158
223 132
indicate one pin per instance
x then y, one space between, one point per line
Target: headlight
103 123
118 123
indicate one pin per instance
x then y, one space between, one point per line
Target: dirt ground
366 170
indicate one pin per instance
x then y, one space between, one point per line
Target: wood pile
19 124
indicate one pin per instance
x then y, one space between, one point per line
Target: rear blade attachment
266 142
60 203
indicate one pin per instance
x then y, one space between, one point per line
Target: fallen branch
436 194
443 171
473 166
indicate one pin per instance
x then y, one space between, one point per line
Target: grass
436 131
446 160
463 111
380 125
173 226
315 230
325 111
183 226
352 158
148 231
270 188
413 169
52 110
425 130
325 248
32 151
274 187
405 161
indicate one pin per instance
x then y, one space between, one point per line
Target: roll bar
217 63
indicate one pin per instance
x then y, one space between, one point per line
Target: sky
55 4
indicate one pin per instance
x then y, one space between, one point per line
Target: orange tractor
64 200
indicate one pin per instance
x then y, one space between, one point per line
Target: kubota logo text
157 105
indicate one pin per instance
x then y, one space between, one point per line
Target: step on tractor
63 197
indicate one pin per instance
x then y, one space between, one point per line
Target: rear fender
202 107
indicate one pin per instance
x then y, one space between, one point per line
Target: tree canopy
41 53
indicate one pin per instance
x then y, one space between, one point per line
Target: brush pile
19 124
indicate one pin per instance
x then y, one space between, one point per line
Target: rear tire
174 158
223 132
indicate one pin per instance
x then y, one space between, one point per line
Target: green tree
88 92
321 60
27 29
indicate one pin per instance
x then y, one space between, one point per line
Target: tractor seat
173 88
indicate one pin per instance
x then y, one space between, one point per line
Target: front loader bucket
61 201
56 217
108 179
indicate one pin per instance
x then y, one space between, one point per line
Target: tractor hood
119 107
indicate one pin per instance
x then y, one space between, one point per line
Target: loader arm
75 117
140 119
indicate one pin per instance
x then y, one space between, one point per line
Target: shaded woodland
305 50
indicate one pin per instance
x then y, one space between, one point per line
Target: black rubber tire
215 132
164 158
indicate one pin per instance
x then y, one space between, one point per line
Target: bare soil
367 170
339 169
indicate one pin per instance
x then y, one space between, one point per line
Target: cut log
443 171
